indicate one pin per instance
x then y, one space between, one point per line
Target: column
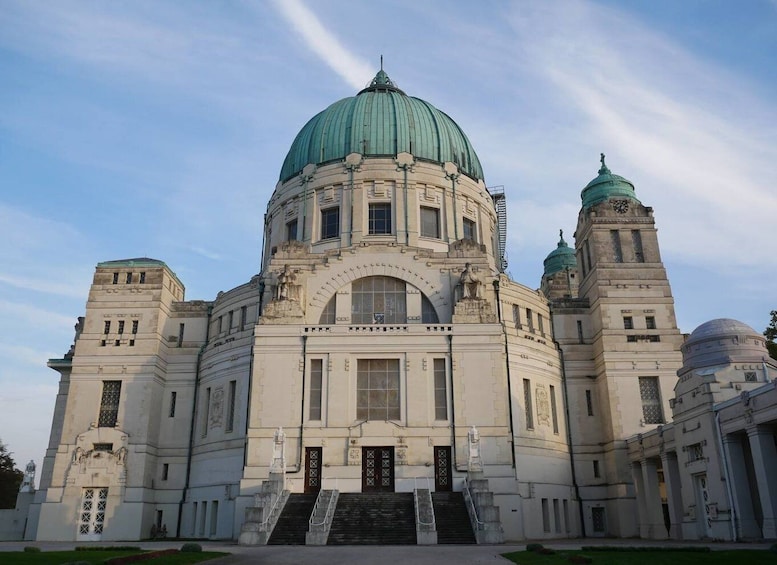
639 485
674 494
765 459
733 451
653 510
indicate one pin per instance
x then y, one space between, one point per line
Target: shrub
107 548
31 549
773 548
536 547
191 548
546 551
579 559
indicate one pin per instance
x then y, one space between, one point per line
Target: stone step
452 519
293 522
373 519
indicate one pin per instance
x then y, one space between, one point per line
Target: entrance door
377 469
92 515
312 469
442 468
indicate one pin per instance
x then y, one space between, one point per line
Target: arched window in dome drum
378 300
328 314
428 313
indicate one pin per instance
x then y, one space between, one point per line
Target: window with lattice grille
109 404
377 389
651 400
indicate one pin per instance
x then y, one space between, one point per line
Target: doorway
442 468
377 469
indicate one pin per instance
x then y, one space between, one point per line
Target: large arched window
378 300
328 316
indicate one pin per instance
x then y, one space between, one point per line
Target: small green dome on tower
381 121
560 259
607 186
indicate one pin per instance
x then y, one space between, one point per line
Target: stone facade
380 332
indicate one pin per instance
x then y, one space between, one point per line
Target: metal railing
329 507
266 521
474 512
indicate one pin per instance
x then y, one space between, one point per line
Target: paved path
375 555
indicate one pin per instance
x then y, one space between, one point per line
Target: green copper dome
381 121
607 186
560 259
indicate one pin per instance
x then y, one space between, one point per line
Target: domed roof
720 327
381 121
606 186
561 258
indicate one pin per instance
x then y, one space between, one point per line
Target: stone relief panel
543 405
216 416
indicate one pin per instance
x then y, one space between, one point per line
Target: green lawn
668 557
58 557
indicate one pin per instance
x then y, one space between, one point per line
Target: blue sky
159 128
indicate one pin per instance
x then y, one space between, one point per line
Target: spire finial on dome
561 242
603 170
381 62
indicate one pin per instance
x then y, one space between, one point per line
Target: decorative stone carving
470 282
543 405
354 455
28 482
287 287
216 407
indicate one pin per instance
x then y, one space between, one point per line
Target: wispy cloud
353 70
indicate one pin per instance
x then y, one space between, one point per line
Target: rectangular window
129 278
587 249
695 452
379 219
579 331
751 377
557 515
430 222
589 403
540 324
470 229
181 328
545 516
650 322
231 406
221 324
553 409
115 278
517 316
165 471
316 388
377 389
597 471
636 242
231 320
628 323
527 404
107 328
205 412
243 317
530 320
134 326
121 326
102 446
132 343
566 516
330 223
142 277
291 230
173 396
109 404
117 343
617 252
598 519
440 391
102 343
651 400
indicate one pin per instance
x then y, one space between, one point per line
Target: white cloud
352 69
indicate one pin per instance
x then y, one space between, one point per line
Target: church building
382 348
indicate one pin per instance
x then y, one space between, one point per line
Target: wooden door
377 469
442 468
313 469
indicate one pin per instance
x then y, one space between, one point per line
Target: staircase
292 524
450 514
374 519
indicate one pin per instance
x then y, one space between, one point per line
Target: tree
10 478
770 333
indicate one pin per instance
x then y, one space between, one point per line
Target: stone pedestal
282 312
473 311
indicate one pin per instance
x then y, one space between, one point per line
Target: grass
57 557
667 557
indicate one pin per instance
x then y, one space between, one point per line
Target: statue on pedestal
278 464
474 460
286 287
470 282
28 482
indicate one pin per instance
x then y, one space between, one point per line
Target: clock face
620 206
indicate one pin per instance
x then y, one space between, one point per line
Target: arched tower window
428 313
328 316
378 300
